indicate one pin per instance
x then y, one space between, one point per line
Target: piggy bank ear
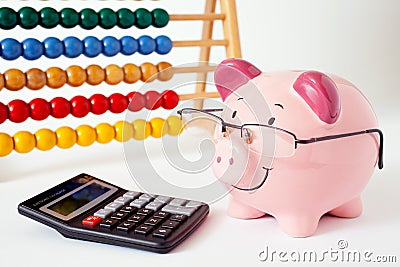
320 93
233 73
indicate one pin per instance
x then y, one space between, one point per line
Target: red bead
3 112
40 109
18 110
118 103
136 101
99 104
80 106
170 99
60 107
153 100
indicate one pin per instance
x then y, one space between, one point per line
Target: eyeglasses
264 139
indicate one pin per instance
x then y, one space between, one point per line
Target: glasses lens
200 124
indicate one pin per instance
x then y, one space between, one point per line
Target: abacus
55 77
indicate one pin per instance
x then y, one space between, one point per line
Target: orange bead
76 75
149 72
165 71
114 74
132 73
35 79
56 77
1 81
14 79
95 74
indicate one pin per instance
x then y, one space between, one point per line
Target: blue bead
164 45
33 49
111 46
53 47
93 46
147 45
129 45
11 49
73 47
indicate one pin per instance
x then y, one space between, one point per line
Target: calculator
91 209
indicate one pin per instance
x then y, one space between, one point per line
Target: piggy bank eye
271 121
234 114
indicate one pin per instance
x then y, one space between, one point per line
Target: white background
356 39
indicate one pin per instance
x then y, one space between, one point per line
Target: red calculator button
92 220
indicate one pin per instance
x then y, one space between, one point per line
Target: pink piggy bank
300 143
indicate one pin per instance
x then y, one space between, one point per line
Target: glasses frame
297 141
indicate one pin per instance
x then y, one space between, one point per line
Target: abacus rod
195 69
199 95
200 43
178 17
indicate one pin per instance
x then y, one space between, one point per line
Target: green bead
160 17
69 17
143 18
49 17
8 18
108 18
126 18
89 18
28 17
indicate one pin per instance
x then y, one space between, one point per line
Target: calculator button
162 233
139 203
108 223
179 210
103 213
170 224
113 206
154 205
163 199
153 221
125 227
145 212
136 218
178 217
131 194
193 204
143 229
146 197
128 209
122 200
177 202
91 220
161 214
119 215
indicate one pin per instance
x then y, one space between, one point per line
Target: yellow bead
174 125
86 135
142 129
105 133
24 142
158 127
123 131
66 137
45 139
6 144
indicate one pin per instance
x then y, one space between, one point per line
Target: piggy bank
323 145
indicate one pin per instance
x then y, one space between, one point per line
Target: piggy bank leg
298 225
350 209
239 210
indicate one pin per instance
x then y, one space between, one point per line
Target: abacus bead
132 73
170 99
89 19
11 49
69 17
35 79
147 45
49 17
80 106
18 111
142 129
160 17
129 45
33 49
143 18
149 72
3 113
56 77
153 100
108 18
92 46
163 45
60 107
126 18
39 108
99 104
73 47
53 47
95 74
105 133
6 144
1 81
24 142
137 101
114 74
45 139
66 137
174 125
14 79
86 135
111 46
158 127
165 71
28 18
76 75
123 131
118 103
8 18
